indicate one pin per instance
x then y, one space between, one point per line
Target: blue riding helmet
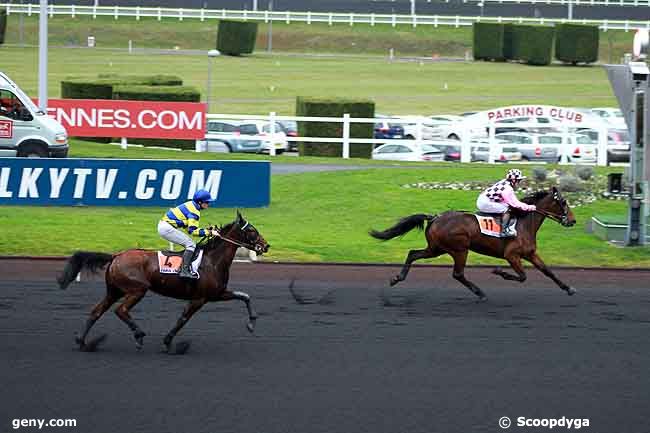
202 196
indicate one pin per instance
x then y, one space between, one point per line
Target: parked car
407 151
25 130
450 149
618 143
225 136
388 130
261 130
581 148
533 147
290 128
440 121
481 152
410 126
613 116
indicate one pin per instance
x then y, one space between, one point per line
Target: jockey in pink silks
500 197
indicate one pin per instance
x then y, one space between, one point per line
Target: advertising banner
130 119
120 182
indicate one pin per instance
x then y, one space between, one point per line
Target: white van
24 129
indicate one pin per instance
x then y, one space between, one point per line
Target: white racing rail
465 142
414 20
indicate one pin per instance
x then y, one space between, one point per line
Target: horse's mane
535 197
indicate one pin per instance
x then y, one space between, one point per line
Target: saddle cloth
490 224
170 262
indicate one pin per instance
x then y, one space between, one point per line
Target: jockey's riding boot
506 230
186 267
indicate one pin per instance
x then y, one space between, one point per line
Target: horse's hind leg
193 306
515 262
412 256
122 312
111 297
460 258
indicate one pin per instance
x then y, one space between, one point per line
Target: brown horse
455 233
130 274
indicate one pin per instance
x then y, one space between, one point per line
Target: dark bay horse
456 233
130 274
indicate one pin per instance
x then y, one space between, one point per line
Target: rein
555 217
234 242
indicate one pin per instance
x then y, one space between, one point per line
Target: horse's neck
534 219
225 252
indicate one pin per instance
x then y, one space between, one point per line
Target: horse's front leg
515 263
539 264
227 295
193 306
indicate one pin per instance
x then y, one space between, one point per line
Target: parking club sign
6 129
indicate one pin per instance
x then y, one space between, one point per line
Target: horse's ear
554 190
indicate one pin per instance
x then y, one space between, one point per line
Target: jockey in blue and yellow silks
186 217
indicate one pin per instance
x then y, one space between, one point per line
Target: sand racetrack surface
340 352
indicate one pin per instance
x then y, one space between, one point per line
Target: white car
481 151
581 148
410 125
261 130
613 116
408 151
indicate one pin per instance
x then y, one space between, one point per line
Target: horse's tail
79 261
403 226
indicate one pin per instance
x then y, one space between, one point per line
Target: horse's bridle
256 247
562 219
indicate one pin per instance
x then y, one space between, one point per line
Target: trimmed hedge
79 89
235 38
318 107
157 93
576 43
532 44
3 24
488 41
507 42
141 80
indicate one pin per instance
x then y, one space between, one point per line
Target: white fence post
419 132
272 133
492 148
123 143
602 146
564 146
346 136
465 149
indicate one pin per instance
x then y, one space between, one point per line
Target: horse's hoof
80 342
394 281
139 340
251 326
182 348
497 271
482 298
571 291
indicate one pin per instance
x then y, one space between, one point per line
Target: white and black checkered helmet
515 175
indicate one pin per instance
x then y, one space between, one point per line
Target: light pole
269 41
42 56
211 55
